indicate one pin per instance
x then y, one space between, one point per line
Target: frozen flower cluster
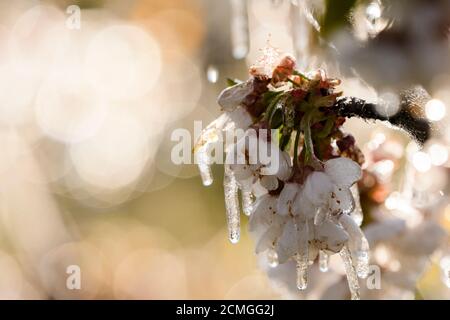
303 204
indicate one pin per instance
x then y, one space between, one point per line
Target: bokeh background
85 121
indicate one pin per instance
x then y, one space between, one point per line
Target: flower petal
317 188
269 182
341 200
269 237
240 118
286 198
233 96
330 236
287 243
285 166
263 212
258 190
343 171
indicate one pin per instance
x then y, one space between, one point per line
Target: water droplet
212 74
247 200
272 258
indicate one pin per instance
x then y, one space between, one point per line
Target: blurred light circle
11 279
18 88
40 35
68 109
435 110
53 270
116 155
438 154
393 201
421 161
13 147
264 12
123 62
5 36
53 162
388 104
170 27
431 181
176 96
212 73
254 286
150 274
93 196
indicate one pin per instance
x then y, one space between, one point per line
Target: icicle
362 261
209 136
272 258
232 205
352 278
302 258
247 200
359 246
239 28
357 213
203 161
324 259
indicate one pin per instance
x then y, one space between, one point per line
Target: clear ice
232 205
352 277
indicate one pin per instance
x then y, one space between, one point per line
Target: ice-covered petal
258 190
303 207
343 171
286 246
240 118
263 213
286 198
241 172
330 236
269 182
269 155
341 200
233 96
269 238
318 187
285 166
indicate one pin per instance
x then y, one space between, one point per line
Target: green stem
271 107
297 138
310 157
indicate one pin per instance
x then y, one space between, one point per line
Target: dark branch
409 118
